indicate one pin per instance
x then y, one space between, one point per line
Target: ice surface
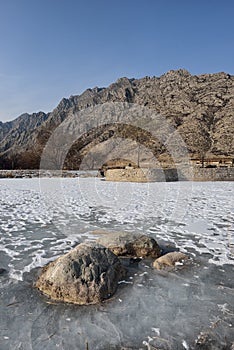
42 219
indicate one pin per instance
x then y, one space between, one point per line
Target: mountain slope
200 107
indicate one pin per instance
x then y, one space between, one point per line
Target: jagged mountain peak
178 72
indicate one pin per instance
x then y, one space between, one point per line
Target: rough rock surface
199 107
131 175
169 260
87 274
208 341
129 244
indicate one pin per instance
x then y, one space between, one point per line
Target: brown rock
169 260
87 274
129 244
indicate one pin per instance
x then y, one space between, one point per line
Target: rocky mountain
201 108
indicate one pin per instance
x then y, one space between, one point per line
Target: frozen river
41 219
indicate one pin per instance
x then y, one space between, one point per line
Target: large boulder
87 274
129 244
169 260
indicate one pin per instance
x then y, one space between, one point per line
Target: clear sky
51 49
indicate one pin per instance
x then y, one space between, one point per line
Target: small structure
122 170
213 162
114 164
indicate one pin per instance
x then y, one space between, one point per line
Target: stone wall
129 175
212 174
160 175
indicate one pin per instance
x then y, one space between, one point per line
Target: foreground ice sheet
42 219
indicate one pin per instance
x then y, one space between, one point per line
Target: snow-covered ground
41 219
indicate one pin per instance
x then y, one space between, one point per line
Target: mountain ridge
200 107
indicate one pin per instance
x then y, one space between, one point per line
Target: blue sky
51 49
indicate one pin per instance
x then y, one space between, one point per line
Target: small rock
208 341
87 274
169 260
2 271
129 244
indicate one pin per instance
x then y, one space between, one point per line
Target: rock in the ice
87 274
208 341
2 271
169 260
129 244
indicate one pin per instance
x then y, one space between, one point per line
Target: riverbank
27 174
193 173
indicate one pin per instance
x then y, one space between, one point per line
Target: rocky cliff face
200 107
19 131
